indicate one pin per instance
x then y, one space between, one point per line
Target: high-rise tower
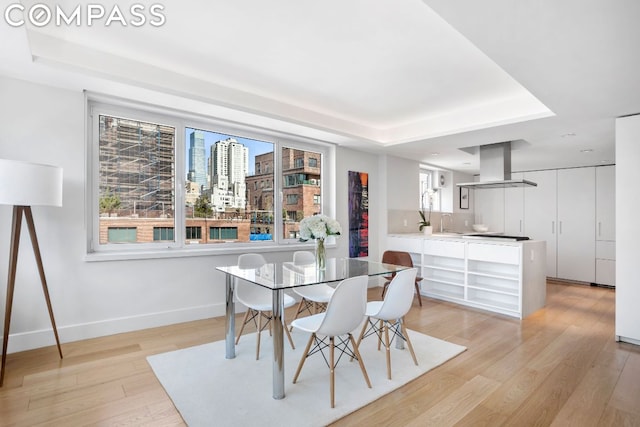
229 168
197 159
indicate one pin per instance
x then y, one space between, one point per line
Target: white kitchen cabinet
501 276
576 219
605 203
443 269
540 206
411 243
514 208
605 226
606 263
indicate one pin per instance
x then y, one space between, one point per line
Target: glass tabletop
282 275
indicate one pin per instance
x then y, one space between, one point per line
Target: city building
197 159
229 168
301 190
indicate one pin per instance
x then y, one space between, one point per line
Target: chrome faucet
442 229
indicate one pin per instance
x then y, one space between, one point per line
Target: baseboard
627 340
44 338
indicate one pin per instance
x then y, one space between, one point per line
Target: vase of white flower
318 228
321 255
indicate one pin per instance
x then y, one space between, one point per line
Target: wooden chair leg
418 293
332 373
244 322
384 288
379 334
357 353
289 336
364 328
304 357
387 346
258 334
298 311
408 341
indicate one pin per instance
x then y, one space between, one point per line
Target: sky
210 138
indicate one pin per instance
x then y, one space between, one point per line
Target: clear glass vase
321 254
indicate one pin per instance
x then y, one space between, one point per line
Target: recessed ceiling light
435 154
467 163
587 150
569 134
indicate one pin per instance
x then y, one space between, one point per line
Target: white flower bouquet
318 227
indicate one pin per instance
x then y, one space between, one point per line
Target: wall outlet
405 222
466 222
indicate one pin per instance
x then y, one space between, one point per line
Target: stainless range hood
495 168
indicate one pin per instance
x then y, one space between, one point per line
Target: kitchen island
500 275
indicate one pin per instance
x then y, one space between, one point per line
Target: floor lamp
23 185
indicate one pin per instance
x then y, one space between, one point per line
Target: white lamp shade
30 184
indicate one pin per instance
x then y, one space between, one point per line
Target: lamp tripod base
16 226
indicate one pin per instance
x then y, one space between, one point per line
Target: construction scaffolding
137 166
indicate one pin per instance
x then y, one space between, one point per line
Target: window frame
97 104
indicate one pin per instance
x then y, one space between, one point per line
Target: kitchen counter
459 236
495 274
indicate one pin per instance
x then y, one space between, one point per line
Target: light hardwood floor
560 366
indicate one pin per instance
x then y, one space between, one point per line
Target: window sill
168 252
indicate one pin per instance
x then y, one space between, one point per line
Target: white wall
627 208
358 161
45 124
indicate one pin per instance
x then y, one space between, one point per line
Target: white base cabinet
503 277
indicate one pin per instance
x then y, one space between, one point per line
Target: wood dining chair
399 258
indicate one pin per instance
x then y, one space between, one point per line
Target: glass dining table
280 276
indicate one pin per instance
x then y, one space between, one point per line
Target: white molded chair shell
398 299
247 261
321 292
346 308
344 313
257 299
303 257
386 317
316 293
313 296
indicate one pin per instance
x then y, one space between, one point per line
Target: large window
136 175
429 194
162 234
160 178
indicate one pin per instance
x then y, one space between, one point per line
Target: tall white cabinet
605 226
576 240
540 207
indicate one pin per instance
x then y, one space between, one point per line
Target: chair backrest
251 261
399 296
246 292
346 308
397 258
303 258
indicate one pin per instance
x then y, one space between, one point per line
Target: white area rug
210 390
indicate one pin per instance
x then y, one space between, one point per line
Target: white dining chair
345 311
387 316
258 300
313 298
